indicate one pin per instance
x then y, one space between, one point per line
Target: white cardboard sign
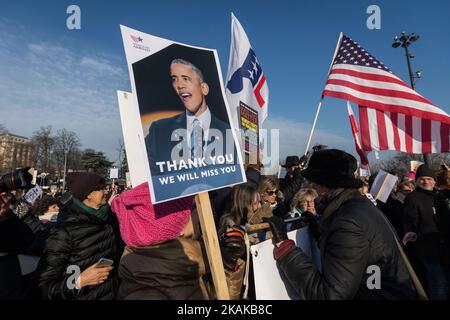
114 173
33 194
132 138
269 282
383 185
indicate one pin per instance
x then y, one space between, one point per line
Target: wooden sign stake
212 245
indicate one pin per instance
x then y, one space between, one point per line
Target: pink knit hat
142 223
411 175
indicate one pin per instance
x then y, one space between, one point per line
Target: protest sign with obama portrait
184 117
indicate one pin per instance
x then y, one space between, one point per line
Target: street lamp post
405 41
65 168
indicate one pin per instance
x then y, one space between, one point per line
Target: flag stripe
368 70
386 107
445 141
377 91
390 104
426 136
435 137
381 126
396 136
364 127
354 127
389 131
408 134
417 135
373 129
374 84
368 76
401 131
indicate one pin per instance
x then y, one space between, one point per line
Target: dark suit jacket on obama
159 142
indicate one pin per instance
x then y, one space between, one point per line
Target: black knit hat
81 184
332 168
424 171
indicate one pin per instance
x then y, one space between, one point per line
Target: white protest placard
364 172
269 282
33 194
133 139
128 179
114 173
383 185
185 121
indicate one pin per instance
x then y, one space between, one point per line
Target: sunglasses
271 192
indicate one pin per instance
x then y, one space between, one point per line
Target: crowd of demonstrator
95 242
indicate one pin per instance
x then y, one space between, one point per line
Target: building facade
15 152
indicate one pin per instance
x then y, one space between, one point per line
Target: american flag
356 135
392 115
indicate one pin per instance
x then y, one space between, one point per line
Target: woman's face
53 208
270 195
308 204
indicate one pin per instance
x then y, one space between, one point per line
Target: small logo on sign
137 40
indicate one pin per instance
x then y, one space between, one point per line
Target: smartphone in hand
103 262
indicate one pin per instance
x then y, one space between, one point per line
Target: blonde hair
301 195
243 197
267 183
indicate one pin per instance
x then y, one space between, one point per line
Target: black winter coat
442 204
354 236
393 210
171 270
41 234
15 237
79 239
423 212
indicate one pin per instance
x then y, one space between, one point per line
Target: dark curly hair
41 206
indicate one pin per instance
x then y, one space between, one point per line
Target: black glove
313 223
278 228
309 217
299 223
232 247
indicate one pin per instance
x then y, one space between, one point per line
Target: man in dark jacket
423 209
85 233
359 255
293 180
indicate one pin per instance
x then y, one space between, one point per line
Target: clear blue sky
50 75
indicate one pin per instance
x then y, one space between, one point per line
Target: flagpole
321 99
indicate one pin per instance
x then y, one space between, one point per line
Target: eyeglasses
271 192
